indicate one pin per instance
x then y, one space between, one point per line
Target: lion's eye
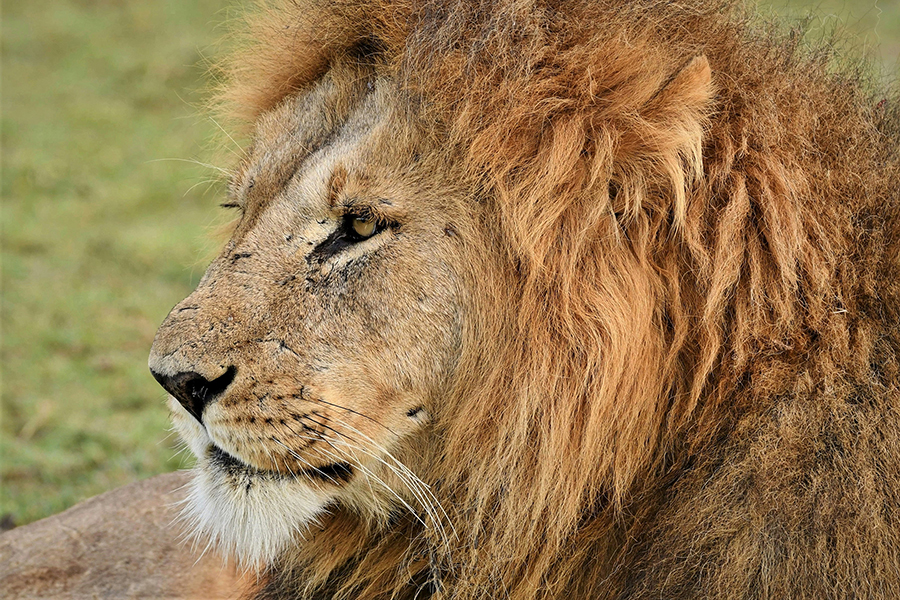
354 228
363 227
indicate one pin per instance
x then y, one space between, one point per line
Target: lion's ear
691 87
666 143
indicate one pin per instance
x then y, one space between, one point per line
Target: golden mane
691 218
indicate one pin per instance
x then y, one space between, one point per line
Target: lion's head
310 360
502 273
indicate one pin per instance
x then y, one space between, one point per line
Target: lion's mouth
334 473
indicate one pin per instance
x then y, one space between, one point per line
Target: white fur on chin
253 520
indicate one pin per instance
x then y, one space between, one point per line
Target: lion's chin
250 515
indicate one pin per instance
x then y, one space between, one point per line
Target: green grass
100 237
865 26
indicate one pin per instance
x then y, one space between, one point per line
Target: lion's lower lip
339 472
335 473
220 458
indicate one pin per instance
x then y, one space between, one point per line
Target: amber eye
364 227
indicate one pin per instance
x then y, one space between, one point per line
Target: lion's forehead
299 144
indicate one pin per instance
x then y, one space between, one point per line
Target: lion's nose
193 390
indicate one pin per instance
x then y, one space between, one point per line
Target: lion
548 300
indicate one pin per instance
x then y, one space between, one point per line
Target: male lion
548 300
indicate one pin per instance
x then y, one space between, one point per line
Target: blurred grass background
100 237
106 225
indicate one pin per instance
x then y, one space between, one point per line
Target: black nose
193 390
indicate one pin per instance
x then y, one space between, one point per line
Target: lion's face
311 356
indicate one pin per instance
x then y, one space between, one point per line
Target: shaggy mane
694 225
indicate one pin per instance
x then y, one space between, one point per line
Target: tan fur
640 277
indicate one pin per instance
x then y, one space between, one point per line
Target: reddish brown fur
681 378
